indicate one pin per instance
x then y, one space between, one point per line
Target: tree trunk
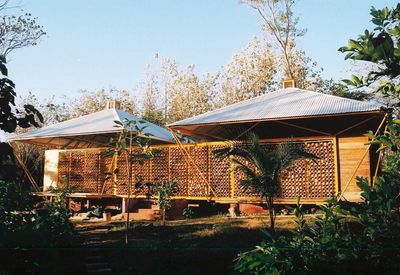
271 211
163 217
127 220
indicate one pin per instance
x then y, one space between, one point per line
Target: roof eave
175 126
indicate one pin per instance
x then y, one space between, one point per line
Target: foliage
281 27
95 101
10 119
262 167
164 191
379 47
188 95
18 31
279 22
131 135
53 219
151 110
250 73
13 199
357 238
23 224
188 213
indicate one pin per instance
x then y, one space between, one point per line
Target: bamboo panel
122 175
220 175
197 185
306 179
107 181
63 168
141 175
239 175
77 170
160 171
293 181
179 170
322 173
91 173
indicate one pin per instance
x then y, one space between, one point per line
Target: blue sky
94 44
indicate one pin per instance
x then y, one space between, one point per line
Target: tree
380 47
151 109
164 191
130 135
11 118
280 24
95 101
250 73
262 167
188 95
18 31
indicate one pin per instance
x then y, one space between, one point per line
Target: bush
188 213
23 226
357 239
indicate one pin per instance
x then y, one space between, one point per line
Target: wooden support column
231 177
336 165
208 170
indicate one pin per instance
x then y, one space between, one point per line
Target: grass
196 246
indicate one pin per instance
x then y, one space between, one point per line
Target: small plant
164 191
188 213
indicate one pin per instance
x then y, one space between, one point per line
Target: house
328 126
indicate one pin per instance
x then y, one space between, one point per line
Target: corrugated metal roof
95 123
284 103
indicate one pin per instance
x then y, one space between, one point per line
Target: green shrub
22 226
188 213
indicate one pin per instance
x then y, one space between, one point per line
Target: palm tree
262 167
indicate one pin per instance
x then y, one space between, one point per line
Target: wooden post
231 177
169 163
336 165
208 171
307 179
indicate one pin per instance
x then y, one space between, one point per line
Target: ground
196 246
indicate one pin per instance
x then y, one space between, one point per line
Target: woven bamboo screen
198 173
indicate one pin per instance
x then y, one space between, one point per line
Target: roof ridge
230 105
336 96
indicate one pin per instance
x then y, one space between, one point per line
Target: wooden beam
353 126
303 128
28 174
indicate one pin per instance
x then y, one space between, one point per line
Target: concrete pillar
123 205
234 210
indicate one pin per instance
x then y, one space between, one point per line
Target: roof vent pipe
113 104
288 83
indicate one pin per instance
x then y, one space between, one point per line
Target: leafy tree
164 191
131 135
18 31
250 73
281 26
151 109
263 167
188 95
380 47
95 101
11 118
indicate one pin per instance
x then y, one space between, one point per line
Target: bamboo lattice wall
204 178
